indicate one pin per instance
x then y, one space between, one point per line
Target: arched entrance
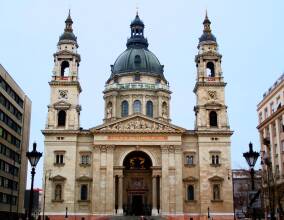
137 184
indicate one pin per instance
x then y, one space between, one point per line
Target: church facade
137 162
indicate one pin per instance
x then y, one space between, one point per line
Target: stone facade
271 115
137 162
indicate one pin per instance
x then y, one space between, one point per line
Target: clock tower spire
64 109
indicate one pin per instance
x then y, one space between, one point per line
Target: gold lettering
137 138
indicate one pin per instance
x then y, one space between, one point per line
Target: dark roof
207 35
68 31
137 57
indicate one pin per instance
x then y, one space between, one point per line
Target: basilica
137 163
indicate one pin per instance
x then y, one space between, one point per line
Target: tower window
149 109
213 119
137 106
64 68
210 69
124 108
190 193
84 192
61 118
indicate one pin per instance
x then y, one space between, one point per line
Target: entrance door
137 205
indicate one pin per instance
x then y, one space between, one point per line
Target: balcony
127 86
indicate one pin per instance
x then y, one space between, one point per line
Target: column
272 148
154 195
114 193
120 195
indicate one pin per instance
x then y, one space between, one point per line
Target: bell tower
210 109
64 109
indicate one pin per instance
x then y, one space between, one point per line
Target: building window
260 117
58 192
189 160
85 159
213 121
272 107
124 108
84 192
65 68
149 109
61 118
190 193
215 159
265 113
216 192
59 158
137 106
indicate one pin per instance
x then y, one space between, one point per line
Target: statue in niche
109 110
137 163
164 110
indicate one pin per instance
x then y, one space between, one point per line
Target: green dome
137 59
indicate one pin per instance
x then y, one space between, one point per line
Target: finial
206 14
137 9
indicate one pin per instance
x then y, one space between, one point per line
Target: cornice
65 83
60 132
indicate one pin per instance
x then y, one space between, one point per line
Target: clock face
63 94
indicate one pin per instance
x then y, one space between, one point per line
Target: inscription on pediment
138 124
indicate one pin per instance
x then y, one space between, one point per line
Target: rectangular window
265 113
260 117
189 160
85 159
59 158
282 145
84 192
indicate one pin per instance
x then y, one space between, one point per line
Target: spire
207 35
68 22
137 38
68 30
206 23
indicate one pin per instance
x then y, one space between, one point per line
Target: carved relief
63 94
212 95
138 125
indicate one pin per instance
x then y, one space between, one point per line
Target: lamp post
66 213
33 157
251 158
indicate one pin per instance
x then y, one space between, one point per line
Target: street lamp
251 158
33 157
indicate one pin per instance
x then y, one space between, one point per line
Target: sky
249 34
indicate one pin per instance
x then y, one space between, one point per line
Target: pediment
58 178
137 124
62 105
190 179
84 178
216 178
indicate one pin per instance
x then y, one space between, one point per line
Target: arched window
65 68
189 160
216 192
137 106
217 159
190 193
84 192
213 119
149 109
61 118
210 69
213 159
124 108
58 192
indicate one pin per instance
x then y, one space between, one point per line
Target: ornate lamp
33 157
251 156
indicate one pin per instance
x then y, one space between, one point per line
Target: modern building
243 205
37 202
15 114
271 130
137 162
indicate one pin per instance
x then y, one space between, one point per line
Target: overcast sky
249 34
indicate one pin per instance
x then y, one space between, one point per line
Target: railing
125 86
